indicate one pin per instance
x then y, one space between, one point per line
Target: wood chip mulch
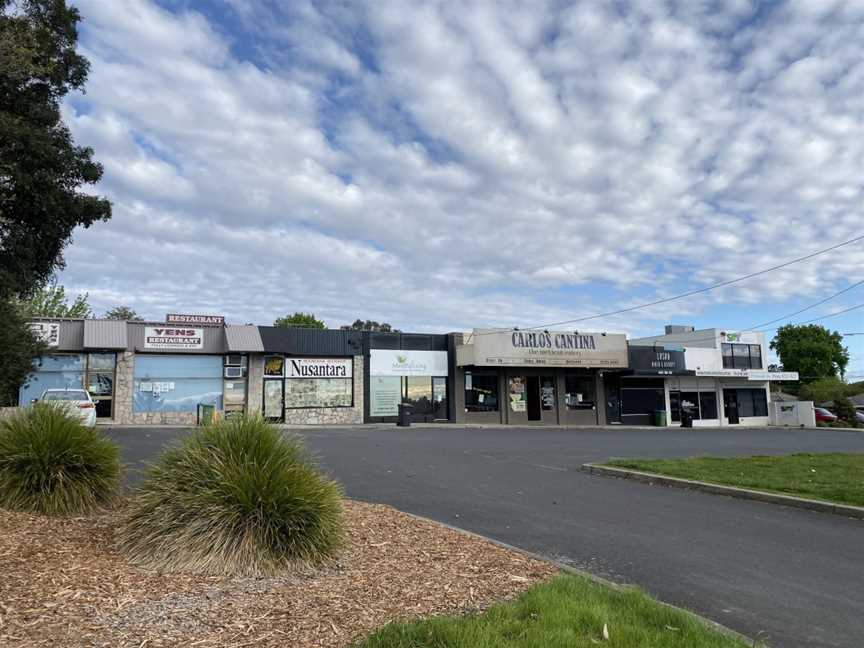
62 583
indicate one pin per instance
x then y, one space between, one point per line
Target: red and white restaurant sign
193 320
172 338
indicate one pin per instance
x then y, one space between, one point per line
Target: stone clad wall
333 415
255 384
124 383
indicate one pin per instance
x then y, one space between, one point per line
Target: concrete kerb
730 491
708 623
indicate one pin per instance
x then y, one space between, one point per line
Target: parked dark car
824 416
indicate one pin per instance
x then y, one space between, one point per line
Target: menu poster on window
547 396
517 394
385 394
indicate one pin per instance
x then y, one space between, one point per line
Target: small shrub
235 497
845 411
50 463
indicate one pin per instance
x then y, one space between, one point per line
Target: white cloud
441 167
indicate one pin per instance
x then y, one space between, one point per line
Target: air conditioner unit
233 360
233 372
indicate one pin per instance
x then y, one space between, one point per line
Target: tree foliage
823 390
51 301
369 325
300 320
811 350
41 168
20 347
123 313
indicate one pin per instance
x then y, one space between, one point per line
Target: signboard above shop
193 320
172 338
319 367
386 362
657 361
47 332
543 348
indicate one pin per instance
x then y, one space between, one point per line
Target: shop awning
243 339
105 334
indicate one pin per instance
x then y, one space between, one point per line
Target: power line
666 300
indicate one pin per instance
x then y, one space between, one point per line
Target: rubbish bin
206 414
686 418
660 418
404 418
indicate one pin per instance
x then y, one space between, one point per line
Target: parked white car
76 401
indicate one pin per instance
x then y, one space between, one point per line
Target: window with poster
578 392
517 393
481 392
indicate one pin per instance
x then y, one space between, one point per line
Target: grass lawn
831 477
567 612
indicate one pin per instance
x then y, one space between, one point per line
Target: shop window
690 402
481 392
385 394
751 402
319 392
579 392
53 372
707 405
176 383
642 401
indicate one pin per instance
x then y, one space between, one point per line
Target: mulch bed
63 583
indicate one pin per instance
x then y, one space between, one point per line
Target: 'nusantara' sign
544 348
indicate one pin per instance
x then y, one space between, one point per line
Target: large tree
123 313
811 350
51 301
42 171
300 320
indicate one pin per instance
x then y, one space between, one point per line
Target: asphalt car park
787 576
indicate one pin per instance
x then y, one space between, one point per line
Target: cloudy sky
446 165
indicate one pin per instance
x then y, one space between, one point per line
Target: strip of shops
163 372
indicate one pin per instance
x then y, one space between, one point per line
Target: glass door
439 398
273 399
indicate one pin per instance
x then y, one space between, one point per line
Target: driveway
789 576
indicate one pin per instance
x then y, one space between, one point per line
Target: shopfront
535 377
82 355
410 368
642 388
308 376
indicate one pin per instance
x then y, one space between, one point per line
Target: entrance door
439 399
613 398
533 389
273 400
730 399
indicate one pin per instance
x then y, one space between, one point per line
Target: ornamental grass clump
235 497
52 464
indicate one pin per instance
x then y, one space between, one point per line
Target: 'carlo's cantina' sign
544 340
